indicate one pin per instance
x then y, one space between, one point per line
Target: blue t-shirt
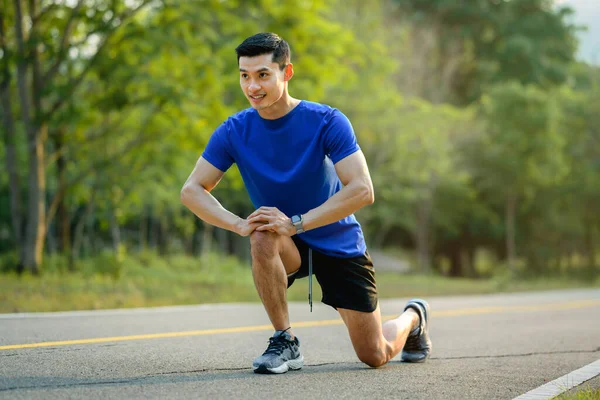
288 163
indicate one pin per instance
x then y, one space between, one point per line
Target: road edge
563 384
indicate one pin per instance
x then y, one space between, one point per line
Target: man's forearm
347 201
207 208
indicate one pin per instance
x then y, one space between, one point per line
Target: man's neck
283 106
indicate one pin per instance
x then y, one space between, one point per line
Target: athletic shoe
418 345
282 354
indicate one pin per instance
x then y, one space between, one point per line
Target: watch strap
298 222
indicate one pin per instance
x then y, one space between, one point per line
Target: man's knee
373 359
263 245
372 354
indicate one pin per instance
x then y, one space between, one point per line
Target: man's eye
264 75
244 76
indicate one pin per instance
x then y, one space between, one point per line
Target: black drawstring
310 267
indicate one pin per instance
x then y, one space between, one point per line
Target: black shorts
345 282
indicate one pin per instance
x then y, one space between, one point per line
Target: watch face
295 219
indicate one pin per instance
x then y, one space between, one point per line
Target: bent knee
263 244
373 359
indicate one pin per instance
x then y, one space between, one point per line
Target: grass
585 394
146 280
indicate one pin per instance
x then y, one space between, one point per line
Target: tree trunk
143 232
9 142
115 231
468 246
36 225
597 266
51 241
79 235
160 228
64 221
470 261
188 239
223 241
207 233
31 251
163 228
40 138
590 248
242 248
91 230
510 216
456 267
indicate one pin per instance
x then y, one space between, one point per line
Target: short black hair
265 43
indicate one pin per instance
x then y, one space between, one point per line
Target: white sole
286 366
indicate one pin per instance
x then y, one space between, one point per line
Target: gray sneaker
282 354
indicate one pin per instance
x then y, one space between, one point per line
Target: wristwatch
297 221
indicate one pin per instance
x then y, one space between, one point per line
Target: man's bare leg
274 257
375 344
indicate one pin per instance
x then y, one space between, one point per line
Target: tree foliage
479 127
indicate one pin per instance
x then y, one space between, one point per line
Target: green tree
521 150
109 87
51 57
471 45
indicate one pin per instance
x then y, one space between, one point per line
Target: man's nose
254 85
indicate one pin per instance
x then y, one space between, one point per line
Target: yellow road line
305 324
532 308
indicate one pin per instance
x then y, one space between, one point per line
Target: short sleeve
218 150
340 140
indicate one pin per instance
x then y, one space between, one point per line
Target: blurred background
480 122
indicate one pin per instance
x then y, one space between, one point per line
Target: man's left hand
274 221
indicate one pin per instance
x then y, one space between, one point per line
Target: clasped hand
268 219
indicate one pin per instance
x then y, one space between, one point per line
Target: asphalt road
485 347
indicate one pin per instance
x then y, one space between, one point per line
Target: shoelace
412 342
276 345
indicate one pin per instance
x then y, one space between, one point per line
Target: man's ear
288 72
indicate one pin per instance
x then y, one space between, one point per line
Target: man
306 175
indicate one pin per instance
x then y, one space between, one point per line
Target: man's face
262 81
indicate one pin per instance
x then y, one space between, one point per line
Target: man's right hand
245 228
